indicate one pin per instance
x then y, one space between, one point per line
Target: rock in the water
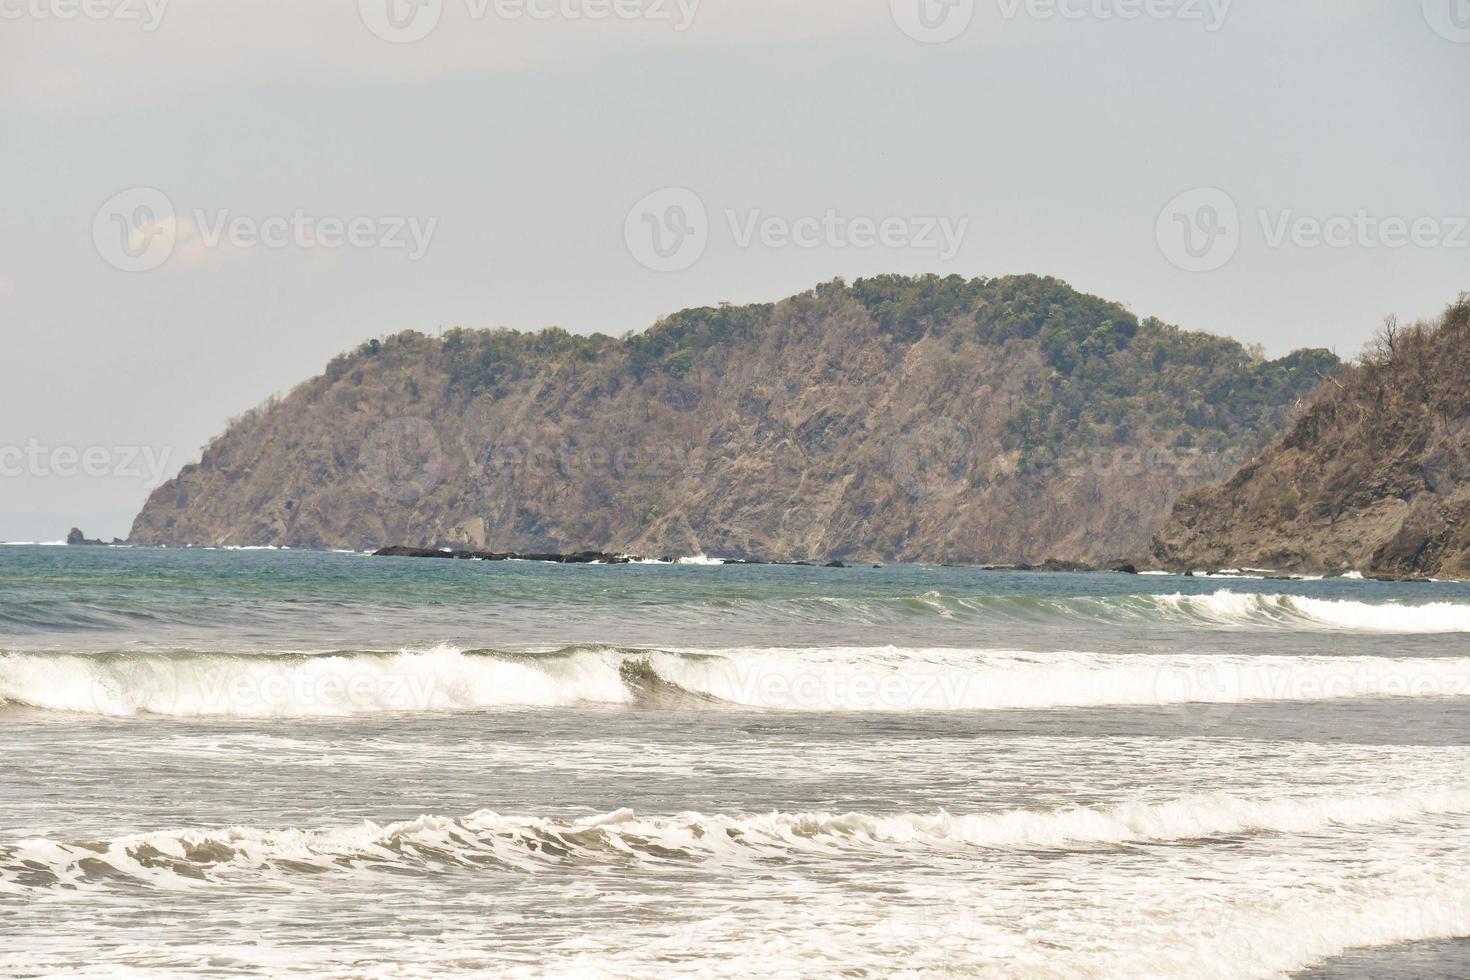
1061 565
578 558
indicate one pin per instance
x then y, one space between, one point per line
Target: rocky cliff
1373 477
929 419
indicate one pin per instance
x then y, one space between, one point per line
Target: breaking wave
490 841
1221 609
193 684
1224 609
1244 608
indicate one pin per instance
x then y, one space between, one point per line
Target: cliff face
898 419
1374 477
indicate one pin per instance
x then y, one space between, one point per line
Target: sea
274 763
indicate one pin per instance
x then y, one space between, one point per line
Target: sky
205 200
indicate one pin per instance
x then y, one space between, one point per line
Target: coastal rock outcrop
1373 478
890 419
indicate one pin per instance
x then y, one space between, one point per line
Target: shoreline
592 557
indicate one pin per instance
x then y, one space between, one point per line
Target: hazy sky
204 200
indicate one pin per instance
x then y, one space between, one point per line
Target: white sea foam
255 686
184 858
686 560
1429 617
891 679
821 679
1222 609
1229 608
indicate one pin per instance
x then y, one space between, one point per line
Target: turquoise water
244 762
253 600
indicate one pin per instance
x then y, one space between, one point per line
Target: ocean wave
444 678
490 841
1246 608
1225 610
190 684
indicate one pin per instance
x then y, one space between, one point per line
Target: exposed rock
1063 565
577 558
1374 477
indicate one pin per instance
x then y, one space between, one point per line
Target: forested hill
1373 478
926 419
